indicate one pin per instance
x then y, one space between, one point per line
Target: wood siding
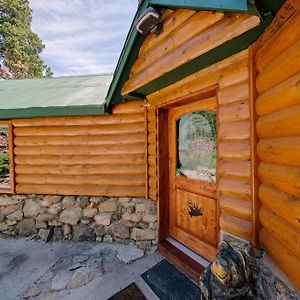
92 155
187 34
230 81
278 129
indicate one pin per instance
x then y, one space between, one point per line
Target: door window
196 146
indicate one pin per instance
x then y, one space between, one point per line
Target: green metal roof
58 96
134 40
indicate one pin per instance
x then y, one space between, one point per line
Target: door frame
163 158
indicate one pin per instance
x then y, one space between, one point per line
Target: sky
82 36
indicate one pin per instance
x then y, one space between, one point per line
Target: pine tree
21 45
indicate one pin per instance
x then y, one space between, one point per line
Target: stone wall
82 218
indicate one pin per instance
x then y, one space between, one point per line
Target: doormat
132 292
170 284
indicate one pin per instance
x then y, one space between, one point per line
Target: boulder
90 212
82 233
119 230
143 234
50 200
69 201
5 201
16 216
71 215
46 234
27 227
108 206
7 210
31 208
82 201
103 219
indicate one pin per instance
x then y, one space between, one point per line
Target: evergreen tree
20 44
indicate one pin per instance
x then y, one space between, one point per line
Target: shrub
4 163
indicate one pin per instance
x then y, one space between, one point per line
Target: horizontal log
130 107
236 207
81 170
236 169
284 150
152 138
111 191
152 183
235 74
238 111
80 150
236 188
194 25
153 194
284 205
234 93
236 226
81 130
152 127
271 101
284 258
279 124
283 39
81 180
83 120
280 69
152 172
79 140
234 150
284 178
235 130
151 116
286 233
152 149
152 160
70 160
224 30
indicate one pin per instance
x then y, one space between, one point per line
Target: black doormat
170 284
132 292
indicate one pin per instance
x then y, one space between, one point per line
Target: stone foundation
241 271
81 218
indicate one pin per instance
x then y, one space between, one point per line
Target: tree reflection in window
196 144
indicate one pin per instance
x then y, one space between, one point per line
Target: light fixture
150 20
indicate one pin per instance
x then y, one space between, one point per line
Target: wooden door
192 176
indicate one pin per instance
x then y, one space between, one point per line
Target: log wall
187 34
90 155
278 129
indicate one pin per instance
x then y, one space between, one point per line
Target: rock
55 223
85 220
46 234
71 215
16 216
108 206
80 278
41 224
32 292
150 218
45 217
136 217
79 259
96 200
57 234
151 208
27 227
7 210
31 208
90 212
99 230
5 201
82 201
126 202
153 225
11 222
143 234
145 245
2 217
69 201
119 230
108 239
67 231
129 254
50 200
19 197
60 280
55 209
280 287
46 277
103 219
140 208
3 226
99 239
127 216
83 233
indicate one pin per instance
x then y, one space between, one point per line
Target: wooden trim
146 151
253 146
11 189
181 261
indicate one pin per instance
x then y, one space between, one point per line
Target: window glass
197 155
4 159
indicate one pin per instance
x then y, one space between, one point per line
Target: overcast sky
82 36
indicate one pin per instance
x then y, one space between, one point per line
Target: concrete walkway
66 270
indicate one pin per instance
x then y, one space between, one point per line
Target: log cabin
201 119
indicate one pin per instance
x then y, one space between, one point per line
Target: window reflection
197 155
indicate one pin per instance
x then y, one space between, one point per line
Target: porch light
150 20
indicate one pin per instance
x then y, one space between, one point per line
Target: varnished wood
235 187
236 207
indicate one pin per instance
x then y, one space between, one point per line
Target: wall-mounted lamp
150 20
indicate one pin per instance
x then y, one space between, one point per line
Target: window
196 144
6 159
